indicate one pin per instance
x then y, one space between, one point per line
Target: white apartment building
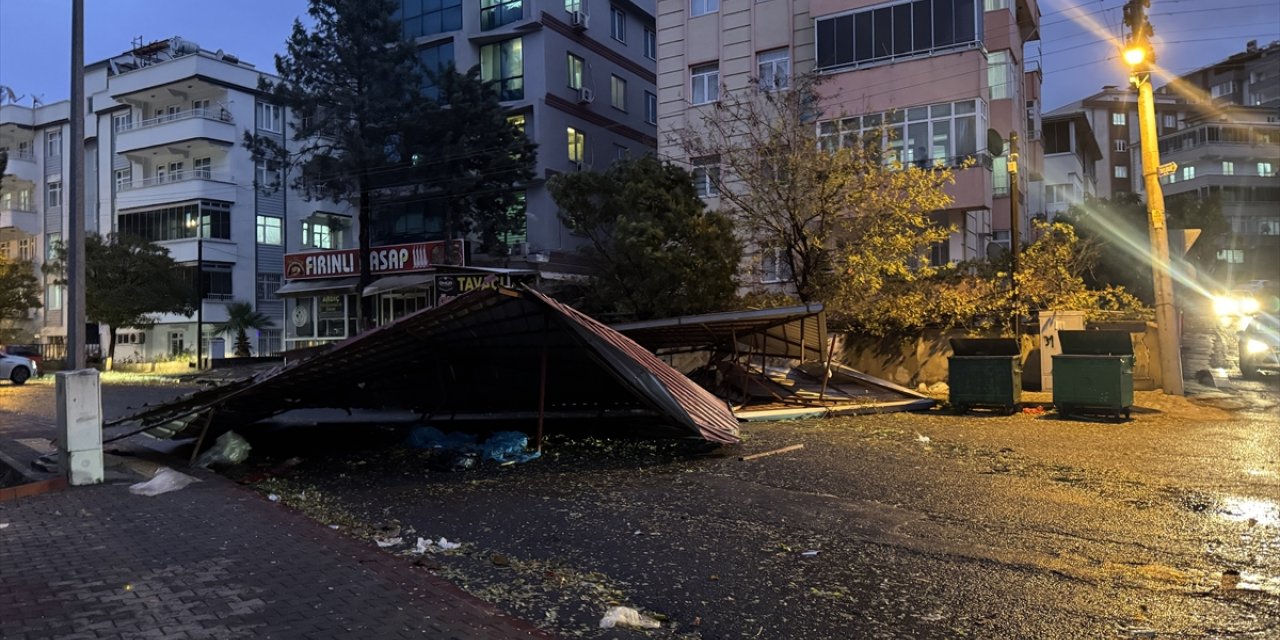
937 74
165 161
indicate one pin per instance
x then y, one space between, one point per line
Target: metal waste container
985 372
1094 373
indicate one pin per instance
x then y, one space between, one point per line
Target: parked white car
17 369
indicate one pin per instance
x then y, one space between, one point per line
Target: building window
54 147
202 168
433 16
317 234
53 297
269 230
576 66
270 342
650 44
1228 168
1223 89
617 24
122 122
1000 74
1058 193
774 266
705 173
1121 145
124 179
577 146
434 59
703 7
1170 121
208 219
503 63
270 117
267 175
495 13
517 121
706 83
1232 256
944 133
215 280
994 5
1266 169
650 108
1118 119
1269 227
1122 171
905 29
618 93
177 343
1000 177
774 68
620 152
1189 173
53 194
268 284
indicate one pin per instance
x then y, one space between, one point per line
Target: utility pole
1141 57
1015 227
75 197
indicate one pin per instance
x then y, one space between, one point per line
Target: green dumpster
1094 373
985 372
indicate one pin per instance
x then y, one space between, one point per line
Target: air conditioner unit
579 19
586 96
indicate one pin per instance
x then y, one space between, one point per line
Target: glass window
53 297
209 218
945 133
703 7
1189 173
435 59
1121 171
270 342
495 13
52 242
617 24
270 117
53 194
124 179
618 93
1170 121
426 17
54 148
705 173
1000 74
1118 119
577 146
1266 169
268 284
1228 168
1121 145
269 230
992 5
267 175
706 83
650 44
317 233
503 63
1000 176
774 68
576 67
904 29
650 108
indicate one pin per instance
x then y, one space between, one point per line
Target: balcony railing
180 176
219 115
25 156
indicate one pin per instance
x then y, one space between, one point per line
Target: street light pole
199 294
75 198
1140 57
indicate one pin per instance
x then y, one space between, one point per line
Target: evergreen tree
241 316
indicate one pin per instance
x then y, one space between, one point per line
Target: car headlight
1249 306
1252 346
1225 306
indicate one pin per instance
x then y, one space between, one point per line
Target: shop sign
400 258
451 286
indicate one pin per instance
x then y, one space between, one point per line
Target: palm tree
241 317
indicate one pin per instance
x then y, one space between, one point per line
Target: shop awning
791 332
395 283
318 286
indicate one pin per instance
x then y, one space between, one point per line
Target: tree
241 316
127 281
351 85
656 251
467 155
19 291
844 218
1117 231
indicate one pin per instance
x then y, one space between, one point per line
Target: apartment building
935 74
164 161
1071 156
578 75
1219 125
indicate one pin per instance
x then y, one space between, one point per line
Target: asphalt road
924 525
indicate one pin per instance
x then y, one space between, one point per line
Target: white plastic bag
229 450
627 617
164 481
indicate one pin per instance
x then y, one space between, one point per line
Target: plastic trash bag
461 451
509 446
228 450
164 481
627 617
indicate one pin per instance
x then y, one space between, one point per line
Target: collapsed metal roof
497 353
790 332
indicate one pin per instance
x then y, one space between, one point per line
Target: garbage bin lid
985 347
1096 343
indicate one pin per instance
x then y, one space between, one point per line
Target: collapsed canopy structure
497 354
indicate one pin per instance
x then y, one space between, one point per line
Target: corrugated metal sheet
481 354
790 332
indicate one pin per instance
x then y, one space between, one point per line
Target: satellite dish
995 143
996 252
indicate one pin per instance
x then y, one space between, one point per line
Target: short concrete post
79 399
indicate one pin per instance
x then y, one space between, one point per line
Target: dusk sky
1077 61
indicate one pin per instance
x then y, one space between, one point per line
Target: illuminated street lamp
1135 55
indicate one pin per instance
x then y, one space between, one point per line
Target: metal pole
1166 315
1015 227
75 197
200 293
542 391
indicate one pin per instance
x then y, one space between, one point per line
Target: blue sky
35 36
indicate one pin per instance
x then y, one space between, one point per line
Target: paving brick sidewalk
210 561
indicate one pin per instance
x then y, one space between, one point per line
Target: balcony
185 185
209 124
23 220
22 165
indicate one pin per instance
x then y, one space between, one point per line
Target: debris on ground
462 449
273 497
444 543
920 437
812 553
4 525
165 480
762 454
1033 411
627 617
228 450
